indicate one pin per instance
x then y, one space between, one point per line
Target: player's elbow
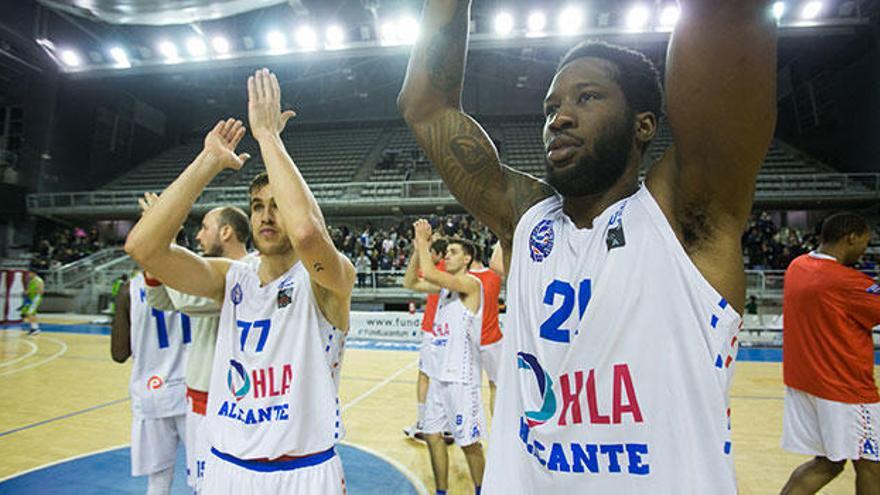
306 236
141 250
134 247
416 109
118 355
407 107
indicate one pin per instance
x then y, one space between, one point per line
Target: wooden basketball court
62 396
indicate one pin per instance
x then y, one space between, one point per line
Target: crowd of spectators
768 247
64 245
374 249
387 248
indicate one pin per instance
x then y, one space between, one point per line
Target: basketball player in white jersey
273 413
157 341
624 298
224 233
454 397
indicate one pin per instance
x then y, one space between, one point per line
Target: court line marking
63 416
378 386
53 357
62 461
21 358
417 482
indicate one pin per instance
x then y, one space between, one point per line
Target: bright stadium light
570 20
220 45
276 40
70 58
168 50
811 10
388 33
408 28
778 10
503 23
119 56
536 23
669 16
637 18
334 36
196 47
306 38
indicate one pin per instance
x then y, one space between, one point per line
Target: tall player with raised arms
624 297
273 413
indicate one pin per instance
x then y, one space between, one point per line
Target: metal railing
81 272
769 283
859 186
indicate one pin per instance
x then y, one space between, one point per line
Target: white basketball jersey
159 340
457 339
276 369
616 363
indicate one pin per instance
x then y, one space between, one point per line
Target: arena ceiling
100 38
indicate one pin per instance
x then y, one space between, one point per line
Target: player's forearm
412 276
158 297
155 231
429 271
300 213
436 67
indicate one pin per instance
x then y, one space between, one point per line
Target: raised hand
221 142
422 232
147 202
264 105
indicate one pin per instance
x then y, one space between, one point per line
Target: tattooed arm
430 102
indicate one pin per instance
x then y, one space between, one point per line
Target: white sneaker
414 432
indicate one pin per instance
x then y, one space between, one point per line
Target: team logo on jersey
615 238
285 293
527 361
237 379
143 294
236 294
541 240
155 382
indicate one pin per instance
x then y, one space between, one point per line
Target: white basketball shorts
319 473
826 428
427 357
458 406
196 449
154 443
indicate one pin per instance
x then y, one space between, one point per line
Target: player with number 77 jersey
273 415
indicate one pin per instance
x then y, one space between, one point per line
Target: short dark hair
237 220
467 246
636 74
439 246
258 182
478 252
840 225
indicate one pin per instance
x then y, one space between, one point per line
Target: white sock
160 483
421 414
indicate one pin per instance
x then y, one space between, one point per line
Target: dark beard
596 172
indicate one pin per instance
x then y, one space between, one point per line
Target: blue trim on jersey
273 466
